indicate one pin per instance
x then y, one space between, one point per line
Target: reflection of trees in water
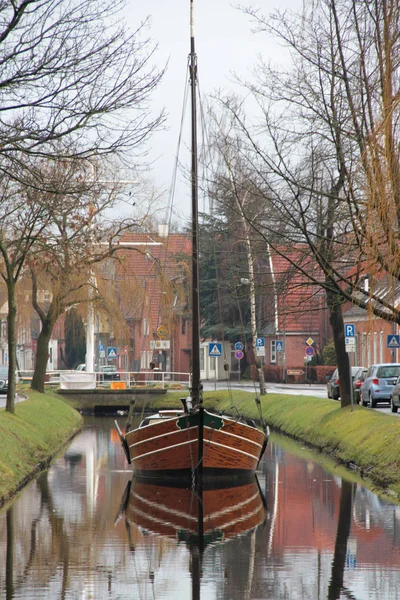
45 533
15 583
342 536
10 554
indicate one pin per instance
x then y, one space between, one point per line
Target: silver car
395 397
379 383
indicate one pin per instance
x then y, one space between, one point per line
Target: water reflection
192 517
322 537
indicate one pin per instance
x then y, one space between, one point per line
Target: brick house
292 310
151 279
373 334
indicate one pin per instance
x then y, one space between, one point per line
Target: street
299 389
3 398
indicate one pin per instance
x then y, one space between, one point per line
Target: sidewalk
3 399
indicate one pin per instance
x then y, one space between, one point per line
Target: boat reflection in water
195 516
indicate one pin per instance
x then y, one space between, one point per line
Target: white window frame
272 355
146 327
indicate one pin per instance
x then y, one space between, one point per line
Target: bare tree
72 69
327 148
74 83
79 239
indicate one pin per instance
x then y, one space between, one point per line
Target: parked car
108 372
395 397
357 383
379 382
3 378
333 385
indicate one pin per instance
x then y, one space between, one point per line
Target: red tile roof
150 263
300 302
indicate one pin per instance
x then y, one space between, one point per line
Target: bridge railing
131 379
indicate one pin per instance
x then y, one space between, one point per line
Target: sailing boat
193 442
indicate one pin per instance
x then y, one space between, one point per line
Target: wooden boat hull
214 515
170 447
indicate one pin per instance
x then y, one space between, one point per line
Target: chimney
163 230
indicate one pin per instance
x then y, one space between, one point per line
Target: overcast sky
224 44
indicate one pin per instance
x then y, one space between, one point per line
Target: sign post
260 346
239 355
350 343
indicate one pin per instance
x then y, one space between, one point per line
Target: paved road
3 398
301 389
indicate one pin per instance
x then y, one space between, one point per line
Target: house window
364 349
183 326
273 351
202 359
146 327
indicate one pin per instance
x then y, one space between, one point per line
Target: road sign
295 372
260 342
239 346
239 354
349 330
160 344
279 346
162 332
350 343
112 352
310 341
393 341
309 351
101 347
214 349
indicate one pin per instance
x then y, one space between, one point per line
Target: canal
300 530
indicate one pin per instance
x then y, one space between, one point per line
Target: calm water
83 531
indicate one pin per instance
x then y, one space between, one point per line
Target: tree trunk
42 355
12 345
336 320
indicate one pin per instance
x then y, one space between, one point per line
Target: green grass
363 439
31 437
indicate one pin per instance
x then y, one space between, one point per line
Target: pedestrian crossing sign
393 341
111 352
214 349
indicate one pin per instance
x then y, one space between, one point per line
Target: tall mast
196 392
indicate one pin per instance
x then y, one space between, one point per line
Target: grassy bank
364 440
31 437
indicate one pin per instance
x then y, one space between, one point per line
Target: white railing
132 379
